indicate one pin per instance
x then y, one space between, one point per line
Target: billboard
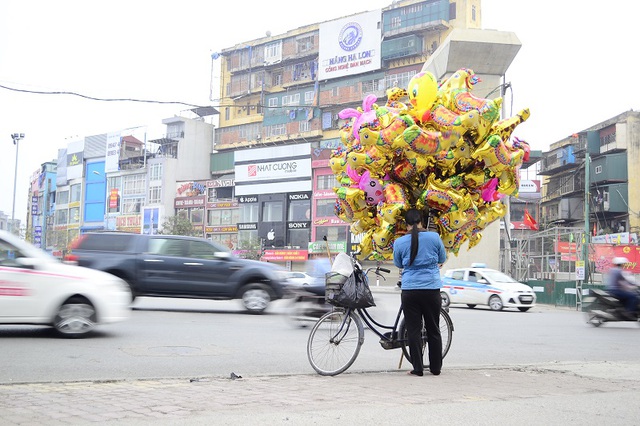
273 170
350 45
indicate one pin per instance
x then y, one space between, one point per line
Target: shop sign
220 183
284 255
247 227
221 229
189 202
248 199
316 247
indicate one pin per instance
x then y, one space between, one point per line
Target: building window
598 170
308 97
132 205
299 211
293 99
74 215
276 130
273 102
304 126
224 217
304 44
175 130
333 233
325 207
63 197
155 194
61 217
227 113
473 13
326 182
248 212
197 216
398 80
272 211
335 91
272 51
276 79
133 184
75 191
299 238
155 171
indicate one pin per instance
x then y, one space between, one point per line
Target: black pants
419 306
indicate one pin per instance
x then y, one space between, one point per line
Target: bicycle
336 338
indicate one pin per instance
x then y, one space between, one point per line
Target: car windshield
498 277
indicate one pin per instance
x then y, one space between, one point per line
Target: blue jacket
424 273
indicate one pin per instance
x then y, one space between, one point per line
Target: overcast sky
576 66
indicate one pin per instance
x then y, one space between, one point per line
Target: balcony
558 160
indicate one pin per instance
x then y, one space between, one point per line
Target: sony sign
298 225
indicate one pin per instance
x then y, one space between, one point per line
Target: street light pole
16 139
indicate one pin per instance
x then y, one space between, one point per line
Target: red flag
529 221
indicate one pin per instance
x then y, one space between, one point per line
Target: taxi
479 285
36 288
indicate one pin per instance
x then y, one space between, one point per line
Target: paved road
536 391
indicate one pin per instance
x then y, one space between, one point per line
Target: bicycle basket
333 285
352 292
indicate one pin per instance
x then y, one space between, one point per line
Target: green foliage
250 249
179 225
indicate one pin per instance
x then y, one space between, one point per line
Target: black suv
179 266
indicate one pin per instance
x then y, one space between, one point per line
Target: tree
179 225
250 248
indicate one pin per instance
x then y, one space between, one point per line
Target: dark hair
413 217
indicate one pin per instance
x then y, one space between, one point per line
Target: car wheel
256 298
495 303
471 306
523 309
446 301
75 318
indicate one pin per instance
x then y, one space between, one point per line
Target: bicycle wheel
334 342
446 332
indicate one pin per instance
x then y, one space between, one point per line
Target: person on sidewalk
420 254
623 287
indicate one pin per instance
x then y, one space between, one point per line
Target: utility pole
16 139
585 242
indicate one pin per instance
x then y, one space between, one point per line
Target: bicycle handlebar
388 271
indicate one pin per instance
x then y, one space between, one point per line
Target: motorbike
601 307
305 305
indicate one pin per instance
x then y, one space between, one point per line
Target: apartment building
280 96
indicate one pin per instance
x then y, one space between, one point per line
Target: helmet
619 260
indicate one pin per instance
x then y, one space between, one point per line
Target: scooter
602 307
306 304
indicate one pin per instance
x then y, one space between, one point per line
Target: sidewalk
543 394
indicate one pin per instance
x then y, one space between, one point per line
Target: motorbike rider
623 287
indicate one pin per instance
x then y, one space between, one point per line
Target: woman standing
421 254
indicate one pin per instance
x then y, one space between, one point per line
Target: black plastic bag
355 292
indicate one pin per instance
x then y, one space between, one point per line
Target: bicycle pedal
387 343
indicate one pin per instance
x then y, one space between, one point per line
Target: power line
40 92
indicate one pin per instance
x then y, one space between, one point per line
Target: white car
36 288
480 285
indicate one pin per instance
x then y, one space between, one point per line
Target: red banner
280 255
603 253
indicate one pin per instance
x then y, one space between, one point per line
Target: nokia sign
300 196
